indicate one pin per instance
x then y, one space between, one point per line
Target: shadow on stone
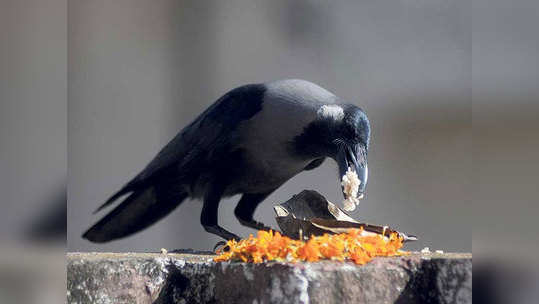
174 287
191 251
420 287
437 281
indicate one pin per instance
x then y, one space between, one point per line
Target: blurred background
33 150
139 71
33 119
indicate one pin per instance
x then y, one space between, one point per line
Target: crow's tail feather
116 195
139 210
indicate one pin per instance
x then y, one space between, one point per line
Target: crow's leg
246 208
208 217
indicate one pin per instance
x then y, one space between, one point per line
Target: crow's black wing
155 191
210 133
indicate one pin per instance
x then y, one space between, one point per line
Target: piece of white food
350 183
425 250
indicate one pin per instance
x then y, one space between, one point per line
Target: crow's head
341 132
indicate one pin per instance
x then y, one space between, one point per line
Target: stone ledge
195 278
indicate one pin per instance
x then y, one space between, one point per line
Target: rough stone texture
192 278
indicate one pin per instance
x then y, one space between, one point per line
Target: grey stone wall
195 278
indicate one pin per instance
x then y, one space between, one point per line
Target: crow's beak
352 157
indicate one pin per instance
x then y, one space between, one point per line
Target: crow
250 141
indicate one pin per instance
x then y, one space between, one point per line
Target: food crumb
350 183
164 251
425 250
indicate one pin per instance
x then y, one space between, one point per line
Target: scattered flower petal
272 246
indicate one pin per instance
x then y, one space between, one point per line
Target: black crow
250 141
